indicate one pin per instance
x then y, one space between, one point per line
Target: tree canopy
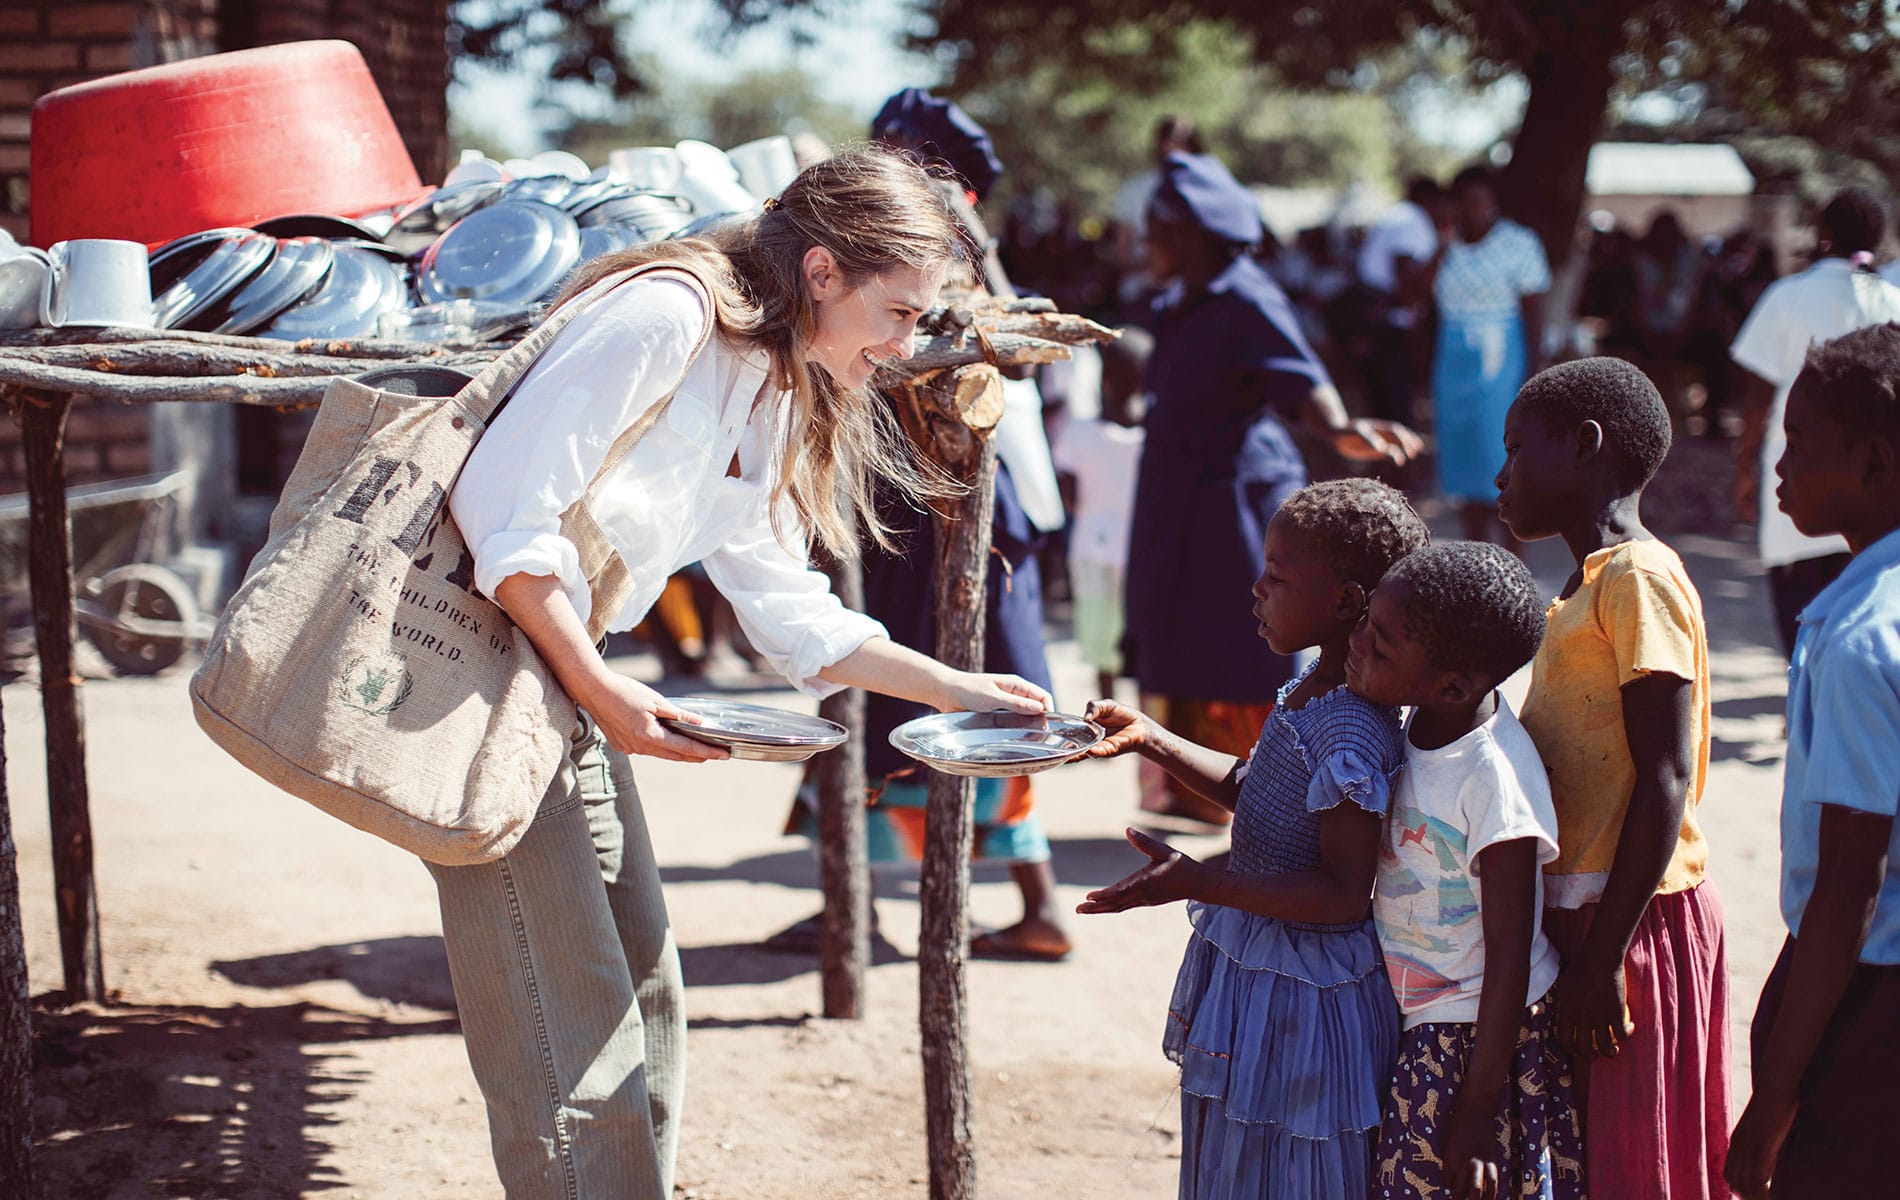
1062 72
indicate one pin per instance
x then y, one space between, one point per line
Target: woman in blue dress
1230 367
1488 279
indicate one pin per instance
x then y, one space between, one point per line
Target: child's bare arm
1206 772
1847 881
1470 1151
1658 723
1334 893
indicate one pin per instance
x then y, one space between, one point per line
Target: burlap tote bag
358 668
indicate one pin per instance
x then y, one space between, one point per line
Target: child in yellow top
1619 709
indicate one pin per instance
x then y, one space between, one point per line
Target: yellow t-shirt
1636 612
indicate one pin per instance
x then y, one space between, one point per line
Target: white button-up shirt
669 502
1825 301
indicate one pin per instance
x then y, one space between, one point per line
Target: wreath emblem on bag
376 684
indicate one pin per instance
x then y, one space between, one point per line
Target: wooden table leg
963 546
844 872
16 1018
50 566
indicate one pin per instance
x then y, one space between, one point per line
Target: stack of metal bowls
504 246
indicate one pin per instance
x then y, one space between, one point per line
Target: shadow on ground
188 1101
402 970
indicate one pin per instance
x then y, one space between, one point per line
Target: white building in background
1708 186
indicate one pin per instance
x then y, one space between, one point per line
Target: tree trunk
844 874
1570 82
16 1018
50 566
963 544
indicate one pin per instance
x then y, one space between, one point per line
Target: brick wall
104 440
404 43
47 44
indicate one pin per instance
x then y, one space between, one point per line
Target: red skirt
1656 1118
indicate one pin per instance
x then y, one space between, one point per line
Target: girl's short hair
1853 221
875 210
1472 605
1361 526
1618 397
1857 378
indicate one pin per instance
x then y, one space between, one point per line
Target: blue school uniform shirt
1844 731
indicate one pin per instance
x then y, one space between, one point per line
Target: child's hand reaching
1592 1011
1470 1153
1127 729
1169 876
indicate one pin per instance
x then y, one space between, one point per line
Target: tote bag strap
497 380
608 580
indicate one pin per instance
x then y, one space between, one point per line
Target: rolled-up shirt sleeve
607 368
786 607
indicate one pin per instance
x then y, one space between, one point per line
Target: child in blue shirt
1827 1031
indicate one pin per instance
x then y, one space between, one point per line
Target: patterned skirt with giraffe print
1537 1122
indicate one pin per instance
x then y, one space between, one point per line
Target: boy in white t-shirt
1103 455
1481 1091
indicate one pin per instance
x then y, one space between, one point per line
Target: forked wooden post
50 568
950 419
844 948
16 1018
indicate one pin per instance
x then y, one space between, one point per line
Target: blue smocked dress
1285 1032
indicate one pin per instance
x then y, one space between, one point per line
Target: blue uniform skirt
1476 371
1285 1035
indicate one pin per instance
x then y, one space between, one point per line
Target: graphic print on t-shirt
1413 978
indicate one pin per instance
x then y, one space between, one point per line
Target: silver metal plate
755 731
512 252
361 286
994 744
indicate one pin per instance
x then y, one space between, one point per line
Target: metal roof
1663 169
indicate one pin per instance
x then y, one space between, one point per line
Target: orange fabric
1635 613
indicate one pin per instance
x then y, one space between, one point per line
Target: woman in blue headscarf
1229 368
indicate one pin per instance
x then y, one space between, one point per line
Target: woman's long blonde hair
875 211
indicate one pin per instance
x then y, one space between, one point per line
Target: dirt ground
282 1022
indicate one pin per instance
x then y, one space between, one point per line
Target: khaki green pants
568 984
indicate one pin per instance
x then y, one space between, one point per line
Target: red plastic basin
229 139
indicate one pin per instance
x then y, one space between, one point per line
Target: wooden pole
844 874
16 1018
50 567
963 544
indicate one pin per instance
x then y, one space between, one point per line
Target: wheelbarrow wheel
150 594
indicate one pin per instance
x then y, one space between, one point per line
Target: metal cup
23 272
766 165
97 281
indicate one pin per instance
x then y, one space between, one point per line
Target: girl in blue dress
1282 1020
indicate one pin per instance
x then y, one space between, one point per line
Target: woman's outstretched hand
967 692
628 713
1125 728
1364 440
1169 876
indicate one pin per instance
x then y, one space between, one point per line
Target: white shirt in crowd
669 502
1023 447
1104 458
1891 272
1825 301
1403 231
1449 805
